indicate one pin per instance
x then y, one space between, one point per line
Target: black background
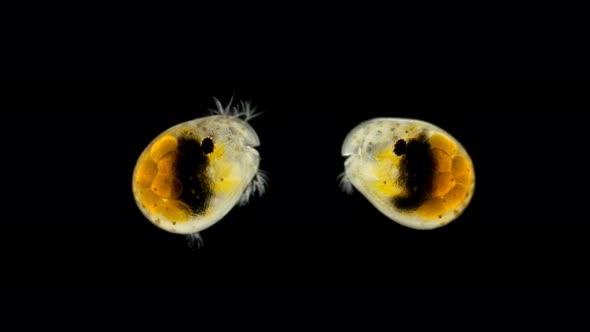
68 149
69 217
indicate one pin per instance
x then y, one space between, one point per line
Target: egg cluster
157 178
452 175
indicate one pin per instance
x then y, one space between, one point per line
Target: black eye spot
400 147
207 145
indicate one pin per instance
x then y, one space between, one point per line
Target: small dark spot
407 131
400 147
384 182
370 143
221 179
174 223
439 216
207 145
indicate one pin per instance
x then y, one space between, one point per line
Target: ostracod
192 174
412 171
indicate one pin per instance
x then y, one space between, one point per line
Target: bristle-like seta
345 184
242 110
256 186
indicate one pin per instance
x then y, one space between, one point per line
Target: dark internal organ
172 180
435 178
